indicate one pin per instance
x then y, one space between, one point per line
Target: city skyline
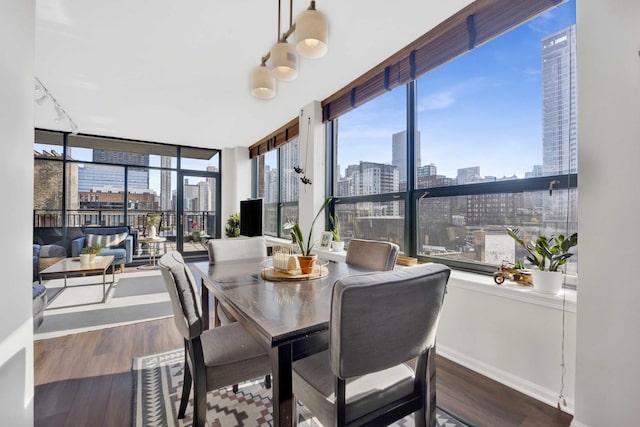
458 104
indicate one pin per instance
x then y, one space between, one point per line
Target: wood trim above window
472 26
275 139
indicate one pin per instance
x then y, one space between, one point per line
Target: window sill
484 284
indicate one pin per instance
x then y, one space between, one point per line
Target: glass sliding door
198 206
150 200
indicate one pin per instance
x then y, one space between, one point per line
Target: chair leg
267 382
121 268
420 417
199 384
186 390
235 388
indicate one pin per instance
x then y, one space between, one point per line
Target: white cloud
436 101
446 98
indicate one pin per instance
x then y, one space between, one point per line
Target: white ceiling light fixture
312 33
283 58
284 61
41 93
263 84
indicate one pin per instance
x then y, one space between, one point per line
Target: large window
371 169
485 141
278 185
84 181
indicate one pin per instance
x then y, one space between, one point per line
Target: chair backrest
106 236
382 319
372 254
105 231
236 248
187 313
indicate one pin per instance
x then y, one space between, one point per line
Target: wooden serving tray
269 273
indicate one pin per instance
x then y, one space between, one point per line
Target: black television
251 217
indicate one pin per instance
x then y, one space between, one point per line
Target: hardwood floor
85 380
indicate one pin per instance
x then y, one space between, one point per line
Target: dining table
289 318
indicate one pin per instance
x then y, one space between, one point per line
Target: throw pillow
107 240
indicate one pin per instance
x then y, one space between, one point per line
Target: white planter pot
547 282
85 259
337 246
152 232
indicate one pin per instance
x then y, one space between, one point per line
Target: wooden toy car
509 271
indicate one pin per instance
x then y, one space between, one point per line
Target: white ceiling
178 71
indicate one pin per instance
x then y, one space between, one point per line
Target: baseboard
550 397
575 423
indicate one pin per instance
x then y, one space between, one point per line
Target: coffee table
72 266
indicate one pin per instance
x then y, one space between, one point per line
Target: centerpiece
306 259
89 254
548 254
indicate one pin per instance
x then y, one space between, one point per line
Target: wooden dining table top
280 310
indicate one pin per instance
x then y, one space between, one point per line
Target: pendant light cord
561 399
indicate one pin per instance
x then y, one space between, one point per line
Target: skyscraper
399 152
559 120
165 185
560 150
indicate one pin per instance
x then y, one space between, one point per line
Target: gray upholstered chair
236 248
233 249
214 358
372 254
362 379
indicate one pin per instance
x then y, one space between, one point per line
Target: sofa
43 256
116 241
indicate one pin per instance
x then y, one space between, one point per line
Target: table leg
104 284
204 302
284 409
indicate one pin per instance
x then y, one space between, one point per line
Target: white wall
311 197
17 30
513 336
235 182
608 348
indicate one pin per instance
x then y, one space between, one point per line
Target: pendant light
312 41
263 84
284 59
312 33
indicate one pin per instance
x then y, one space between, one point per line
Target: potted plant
306 259
337 245
548 254
232 229
153 221
196 233
89 253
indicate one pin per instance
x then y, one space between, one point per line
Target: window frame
413 195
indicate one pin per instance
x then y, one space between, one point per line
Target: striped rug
158 388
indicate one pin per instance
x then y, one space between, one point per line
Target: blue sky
481 109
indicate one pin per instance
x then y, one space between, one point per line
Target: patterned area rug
158 387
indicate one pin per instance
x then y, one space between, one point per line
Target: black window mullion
560 182
411 209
